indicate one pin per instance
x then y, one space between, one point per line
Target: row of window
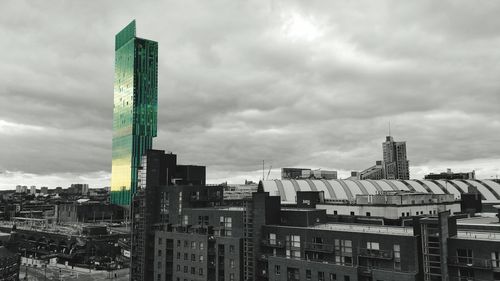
200 258
193 244
293 274
193 270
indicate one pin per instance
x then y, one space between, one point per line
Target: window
159 241
277 269
403 214
495 259
343 252
352 213
159 253
186 256
308 274
372 246
185 220
397 256
193 257
186 244
178 267
333 277
293 246
231 249
347 278
200 271
231 263
231 276
193 244
178 243
293 274
178 255
464 256
201 245
272 238
185 269
368 214
335 212
321 276
193 270
201 258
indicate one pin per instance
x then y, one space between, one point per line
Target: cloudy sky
294 83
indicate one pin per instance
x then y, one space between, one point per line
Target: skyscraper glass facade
135 109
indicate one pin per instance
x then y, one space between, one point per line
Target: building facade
135 109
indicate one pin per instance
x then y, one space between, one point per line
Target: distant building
44 190
396 166
236 192
9 265
88 211
375 172
301 173
449 175
33 190
19 189
393 205
80 188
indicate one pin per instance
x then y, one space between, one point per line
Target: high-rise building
135 109
396 166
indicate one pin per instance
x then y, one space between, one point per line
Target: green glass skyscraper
135 109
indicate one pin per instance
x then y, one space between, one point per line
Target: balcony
273 243
470 262
376 254
319 247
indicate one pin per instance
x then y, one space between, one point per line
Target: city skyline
312 86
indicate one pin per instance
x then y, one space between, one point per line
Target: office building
135 109
396 166
375 172
301 173
449 175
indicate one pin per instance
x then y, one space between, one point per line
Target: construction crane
270 167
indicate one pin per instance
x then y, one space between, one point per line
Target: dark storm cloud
295 84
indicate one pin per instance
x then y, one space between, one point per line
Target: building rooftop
391 230
362 228
348 189
482 219
478 235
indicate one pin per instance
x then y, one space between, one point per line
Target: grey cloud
234 89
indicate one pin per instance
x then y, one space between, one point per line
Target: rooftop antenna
389 128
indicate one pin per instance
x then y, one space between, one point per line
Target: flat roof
478 235
482 220
228 208
361 228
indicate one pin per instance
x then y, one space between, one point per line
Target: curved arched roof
348 189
